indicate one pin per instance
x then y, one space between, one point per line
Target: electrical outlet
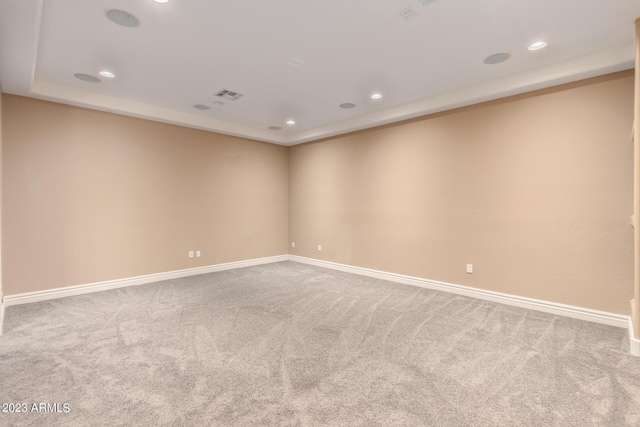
190 254
319 248
197 254
470 268
293 244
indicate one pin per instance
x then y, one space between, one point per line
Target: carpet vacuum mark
289 344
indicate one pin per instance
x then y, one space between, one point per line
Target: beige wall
1 287
92 196
535 191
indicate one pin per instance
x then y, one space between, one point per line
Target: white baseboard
634 343
48 294
596 316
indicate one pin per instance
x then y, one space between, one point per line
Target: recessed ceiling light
108 74
376 96
275 127
123 18
291 122
538 45
347 105
86 78
201 107
497 58
161 1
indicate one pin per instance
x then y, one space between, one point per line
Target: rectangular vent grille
230 95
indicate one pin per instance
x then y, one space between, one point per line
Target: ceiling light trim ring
538 45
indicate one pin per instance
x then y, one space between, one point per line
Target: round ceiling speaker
86 78
497 58
123 18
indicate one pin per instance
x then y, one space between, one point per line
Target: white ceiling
297 59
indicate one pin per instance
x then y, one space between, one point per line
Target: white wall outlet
190 254
197 254
469 268
319 248
293 244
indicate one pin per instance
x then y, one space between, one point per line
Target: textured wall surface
1 286
92 196
535 191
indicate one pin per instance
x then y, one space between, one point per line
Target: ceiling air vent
230 95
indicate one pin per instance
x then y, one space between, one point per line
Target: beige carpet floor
288 344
